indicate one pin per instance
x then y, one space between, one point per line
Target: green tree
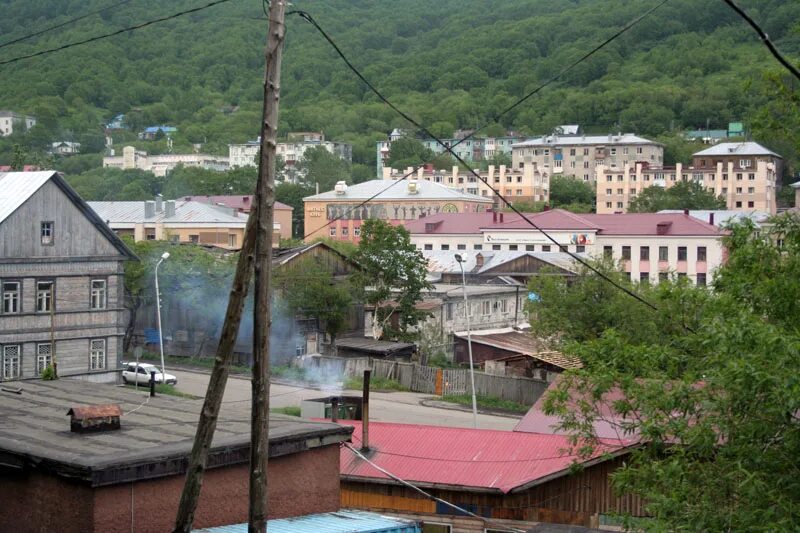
682 195
319 166
408 152
707 382
566 190
393 278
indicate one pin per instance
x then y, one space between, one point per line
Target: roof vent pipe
159 203
169 208
365 412
149 209
711 218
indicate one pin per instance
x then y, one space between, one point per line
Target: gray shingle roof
743 148
398 190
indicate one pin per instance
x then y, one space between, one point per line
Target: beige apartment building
523 184
579 155
745 174
162 164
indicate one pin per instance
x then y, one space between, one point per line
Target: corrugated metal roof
743 148
525 344
242 202
478 458
17 187
386 190
344 521
723 216
192 212
578 140
444 261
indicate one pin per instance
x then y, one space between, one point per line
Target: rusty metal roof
527 345
95 411
491 460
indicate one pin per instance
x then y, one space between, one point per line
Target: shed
94 417
368 347
337 522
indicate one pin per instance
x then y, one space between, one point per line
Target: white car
130 374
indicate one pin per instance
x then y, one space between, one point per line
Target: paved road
404 407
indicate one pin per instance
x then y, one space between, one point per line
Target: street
403 407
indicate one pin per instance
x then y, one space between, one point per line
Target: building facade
648 246
338 214
61 282
13 122
161 165
579 155
524 184
746 175
244 203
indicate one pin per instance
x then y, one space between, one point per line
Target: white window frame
46 232
442 524
98 294
12 364
45 299
11 296
332 232
357 232
43 360
97 354
486 307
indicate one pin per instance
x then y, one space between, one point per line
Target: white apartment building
11 121
525 184
649 246
745 174
161 165
579 155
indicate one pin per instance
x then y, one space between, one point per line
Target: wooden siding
73 235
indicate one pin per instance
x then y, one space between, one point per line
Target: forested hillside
451 63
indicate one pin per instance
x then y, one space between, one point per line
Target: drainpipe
365 413
516 308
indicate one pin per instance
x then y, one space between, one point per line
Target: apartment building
745 174
649 246
579 155
525 184
162 164
338 214
13 122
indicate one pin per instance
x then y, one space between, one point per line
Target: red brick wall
299 484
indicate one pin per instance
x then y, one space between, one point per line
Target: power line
112 34
449 149
765 39
61 25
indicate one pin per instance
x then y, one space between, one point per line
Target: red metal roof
477 458
240 203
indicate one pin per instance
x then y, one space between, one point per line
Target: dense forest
452 64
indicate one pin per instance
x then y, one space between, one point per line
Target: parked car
132 374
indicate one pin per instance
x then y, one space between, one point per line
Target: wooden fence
426 379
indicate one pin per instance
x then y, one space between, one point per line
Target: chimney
335 409
245 199
662 228
494 216
686 212
159 203
169 209
365 413
711 218
479 260
149 209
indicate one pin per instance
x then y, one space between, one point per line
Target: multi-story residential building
744 174
244 203
649 246
292 151
161 165
579 155
65 148
61 282
524 184
176 221
338 214
472 149
11 122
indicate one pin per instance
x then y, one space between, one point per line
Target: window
486 307
619 205
608 251
580 248
44 296
11 297
545 247
513 247
701 253
738 204
751 190
332 232
613 151
232 240
663 253
751 176
681 253
98 294
11 361
47 233
44 357
644 253
432 527
445 247
739 176
608 192
357 232
701 280
477 247
620 191
572 151
345 232
496 247
626 253
608 205
429 247
194 239
449 311
97 354
530 248
644 277
585 151
751 203
738 190
724 177
150 235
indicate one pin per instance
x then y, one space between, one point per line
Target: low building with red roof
244 202
511 479
649 246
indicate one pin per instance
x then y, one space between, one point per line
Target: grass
292 373
376 384
169 390
488 402
291 410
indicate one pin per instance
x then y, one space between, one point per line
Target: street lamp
165 255
460 261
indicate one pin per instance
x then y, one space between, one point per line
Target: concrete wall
300 484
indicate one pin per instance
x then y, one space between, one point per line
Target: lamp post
469 341
165 255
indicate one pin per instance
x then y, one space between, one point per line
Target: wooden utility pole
230 329
262 316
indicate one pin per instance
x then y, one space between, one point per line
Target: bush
49 373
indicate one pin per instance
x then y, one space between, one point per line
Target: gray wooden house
61 282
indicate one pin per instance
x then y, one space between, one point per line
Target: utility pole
262 318
230 329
